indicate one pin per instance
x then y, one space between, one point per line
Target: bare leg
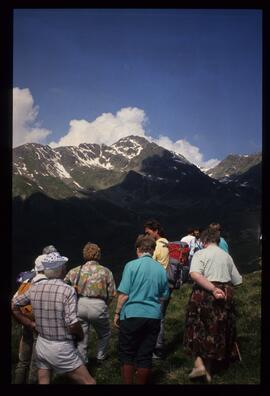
201 368
198 362
44 376
32 376
81 376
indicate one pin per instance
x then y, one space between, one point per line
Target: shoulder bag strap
77 279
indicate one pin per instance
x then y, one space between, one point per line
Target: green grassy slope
174 369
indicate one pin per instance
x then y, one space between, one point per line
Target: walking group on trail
57 308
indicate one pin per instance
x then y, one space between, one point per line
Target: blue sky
190 80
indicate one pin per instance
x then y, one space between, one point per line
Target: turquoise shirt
144 280
223 245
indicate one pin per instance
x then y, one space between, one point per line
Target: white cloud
190 152
25 126
107 129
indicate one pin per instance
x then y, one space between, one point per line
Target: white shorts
60 356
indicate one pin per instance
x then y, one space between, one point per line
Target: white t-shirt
188 239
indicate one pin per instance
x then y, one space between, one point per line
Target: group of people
65 306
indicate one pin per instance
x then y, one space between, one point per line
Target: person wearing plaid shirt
54 305
96 289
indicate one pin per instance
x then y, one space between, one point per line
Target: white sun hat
38 263
53 260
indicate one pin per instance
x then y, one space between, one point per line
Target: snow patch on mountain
90 166
129 151
244 184
179 158
61 171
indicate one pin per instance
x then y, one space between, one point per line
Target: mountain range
72 171
68 195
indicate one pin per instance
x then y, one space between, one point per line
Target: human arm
207 285
165 289
22 300
236 278
111 288
163 299
122 298
21 318
76 330
70 315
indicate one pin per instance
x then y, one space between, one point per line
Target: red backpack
178 267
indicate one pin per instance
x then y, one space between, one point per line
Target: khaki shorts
59 356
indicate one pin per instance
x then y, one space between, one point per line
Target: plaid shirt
95 281
55 308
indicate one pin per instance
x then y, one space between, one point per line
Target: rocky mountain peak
90 166
130 146
234 165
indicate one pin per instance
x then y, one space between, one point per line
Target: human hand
218 293
116 320
33 328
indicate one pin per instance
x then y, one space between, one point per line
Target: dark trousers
161 335
137 339
26 370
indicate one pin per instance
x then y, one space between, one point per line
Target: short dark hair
215 226
145 244
210 235
154 225
190 230
197 229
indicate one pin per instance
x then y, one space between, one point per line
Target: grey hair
49 249
55 273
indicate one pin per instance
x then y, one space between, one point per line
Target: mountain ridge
111 205
85 167
233 166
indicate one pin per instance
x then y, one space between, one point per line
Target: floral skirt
210 327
